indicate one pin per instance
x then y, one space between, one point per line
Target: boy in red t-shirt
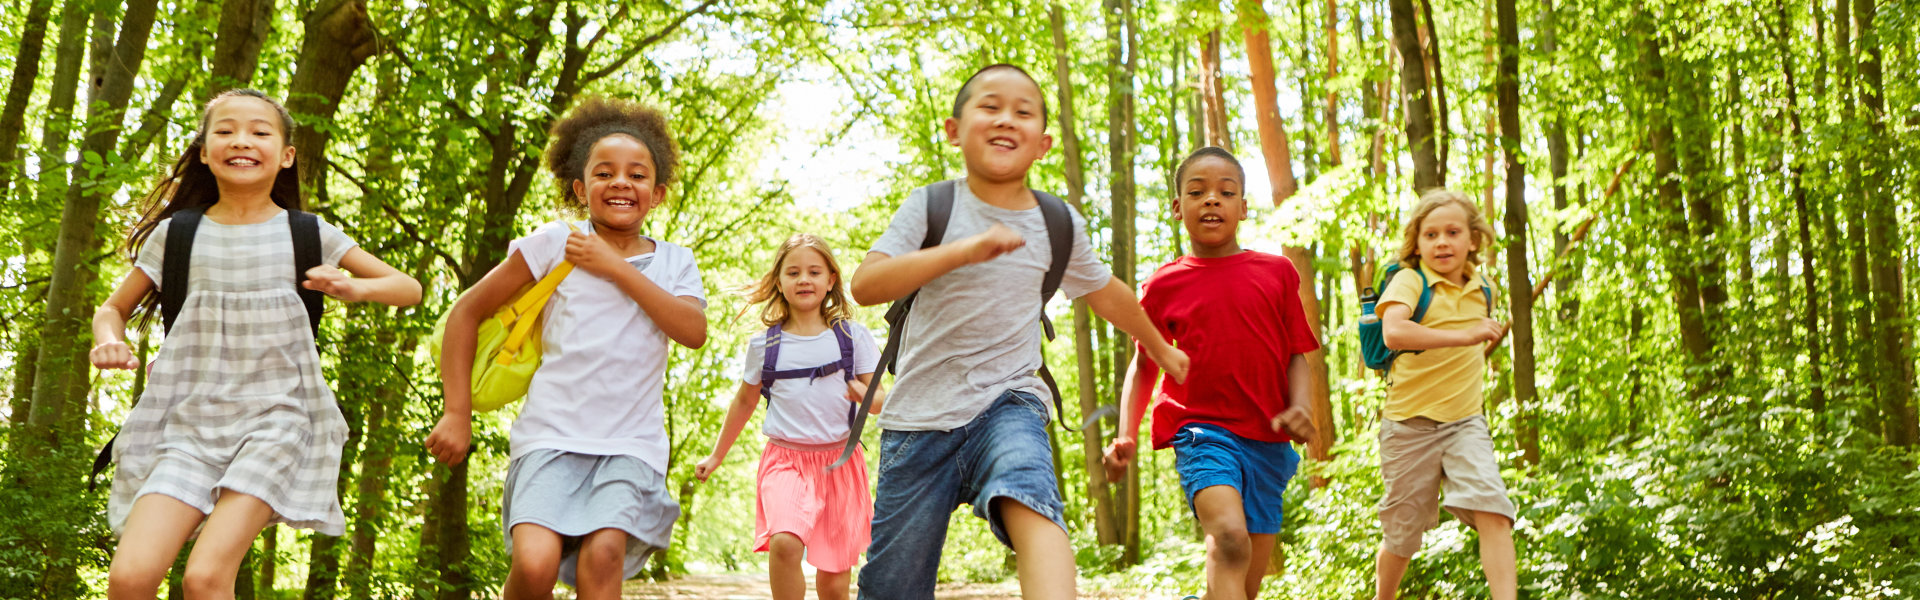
1237 314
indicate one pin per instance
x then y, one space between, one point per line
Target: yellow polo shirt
1443 384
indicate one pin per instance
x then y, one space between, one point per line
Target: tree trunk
1672 211
1091 441
1520 289
339 38
1121 35
1330 26
1213 91
1885 241
1434 62
269 561
1421 133
26 72
1274 146
243 30
56 428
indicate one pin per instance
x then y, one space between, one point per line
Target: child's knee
786 548
1492 523
1230 547
535 564
124 575
205 581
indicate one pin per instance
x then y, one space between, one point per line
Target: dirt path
753 586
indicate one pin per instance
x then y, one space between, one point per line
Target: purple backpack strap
843 329
772 358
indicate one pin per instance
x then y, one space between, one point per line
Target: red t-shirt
1239 320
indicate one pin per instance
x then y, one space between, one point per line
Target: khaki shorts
1420 456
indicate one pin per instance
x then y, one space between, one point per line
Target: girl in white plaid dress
237 429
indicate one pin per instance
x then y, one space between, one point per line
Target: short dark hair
1180 173
966 89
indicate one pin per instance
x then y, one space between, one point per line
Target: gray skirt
577 494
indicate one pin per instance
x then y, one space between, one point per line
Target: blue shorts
1207 455
1003 452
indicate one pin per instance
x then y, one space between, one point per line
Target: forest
1706 212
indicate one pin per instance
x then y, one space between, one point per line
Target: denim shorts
1003 452
1207 455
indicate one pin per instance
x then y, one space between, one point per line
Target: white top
974 332
803 411
603 361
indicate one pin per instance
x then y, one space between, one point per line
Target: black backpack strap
306 255
939 211
1059 219
176 262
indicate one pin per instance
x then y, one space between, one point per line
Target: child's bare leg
1496 554
535 564
1263 545
784 575
1388 570
1041 550
832 586
156 528
1223 518
236 520
601 565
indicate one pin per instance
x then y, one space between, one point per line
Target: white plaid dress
236 400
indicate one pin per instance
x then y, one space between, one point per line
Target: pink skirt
830 511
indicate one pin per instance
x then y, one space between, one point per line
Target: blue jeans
1207 455
1003 453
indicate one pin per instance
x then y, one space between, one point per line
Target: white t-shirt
809 411
974 332
603 363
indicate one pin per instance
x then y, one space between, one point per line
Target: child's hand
1173 361
856 391
333 282
1487 330
1296 422
1119 454
450 439
992 243
593 254
706 467
113 355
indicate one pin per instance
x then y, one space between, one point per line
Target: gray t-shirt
974 332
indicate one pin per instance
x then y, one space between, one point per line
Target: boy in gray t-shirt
967 418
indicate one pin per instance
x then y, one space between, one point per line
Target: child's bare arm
452 434
682 318
110 349
857 393
1116 304
373 281
1136 392
885 278
737 415
1297 419
1401 332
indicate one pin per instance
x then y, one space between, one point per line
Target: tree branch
645 43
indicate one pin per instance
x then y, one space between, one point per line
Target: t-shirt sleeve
1404 289
866 353
1085 273
908 227
751 360
543 249
686 279
334 244
153 252
1297 335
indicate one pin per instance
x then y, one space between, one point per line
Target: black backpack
1059 219
175 263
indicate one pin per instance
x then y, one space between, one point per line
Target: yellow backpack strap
526 310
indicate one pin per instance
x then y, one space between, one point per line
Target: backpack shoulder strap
177 262
939 211
1426 295
1059 220
1486 290
843 332
306 255
769 359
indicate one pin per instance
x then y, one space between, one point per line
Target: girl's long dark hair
190 184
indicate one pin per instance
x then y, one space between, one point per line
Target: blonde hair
766 289
1433 199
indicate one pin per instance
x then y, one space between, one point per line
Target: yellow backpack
507 345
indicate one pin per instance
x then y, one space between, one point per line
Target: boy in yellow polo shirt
1432 434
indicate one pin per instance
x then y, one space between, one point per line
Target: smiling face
1001 130
1210 205
805 280
618 185
244 144
1446 240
